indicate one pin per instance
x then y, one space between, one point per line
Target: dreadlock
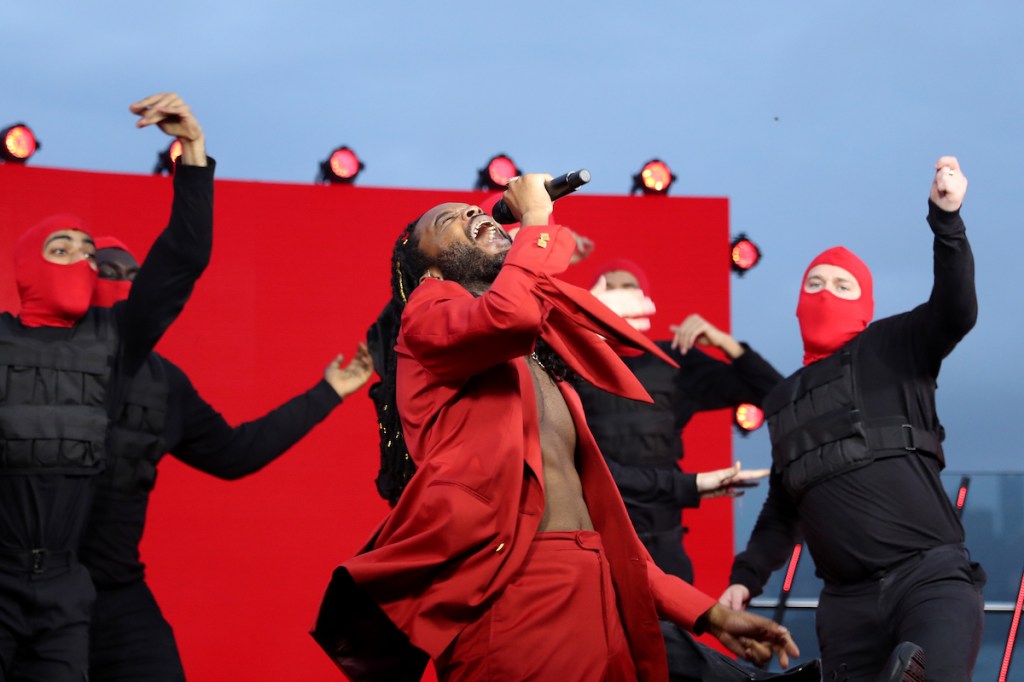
407 264
396 467
557 368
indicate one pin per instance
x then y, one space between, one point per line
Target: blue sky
820 122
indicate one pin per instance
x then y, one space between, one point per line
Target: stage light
19 143
744 254
165 159
1011 637
748 418
787 584
654 178
961 495
496 174
341 166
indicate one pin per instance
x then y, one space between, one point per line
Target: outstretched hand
696 331
169 112
750 636
949 184
728 481
631 304
736 597
584 247
346 380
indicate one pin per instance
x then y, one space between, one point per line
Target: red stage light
165 159
496 174
744 254
1011 638
961 495
654 178
175 151
787 584
343 165
19 143
749 417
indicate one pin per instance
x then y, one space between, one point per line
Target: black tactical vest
818 429
53 412
136 440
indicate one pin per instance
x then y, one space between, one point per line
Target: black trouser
933 599
45 602
666 548
130 640
691 661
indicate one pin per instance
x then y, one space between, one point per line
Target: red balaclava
52 295
110 291
635 305
827 321
625 265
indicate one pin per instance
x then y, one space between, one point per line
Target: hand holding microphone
556 187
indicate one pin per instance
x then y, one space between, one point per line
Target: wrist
535 216
193 152
732 348
338 388
710 621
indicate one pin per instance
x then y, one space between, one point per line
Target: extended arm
642 486
711 384
212 445
750 636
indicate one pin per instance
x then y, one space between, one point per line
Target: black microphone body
557 187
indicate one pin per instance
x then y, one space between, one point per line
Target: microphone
556 187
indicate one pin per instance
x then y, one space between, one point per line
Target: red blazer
466 520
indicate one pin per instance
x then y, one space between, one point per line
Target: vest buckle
908 437
39 560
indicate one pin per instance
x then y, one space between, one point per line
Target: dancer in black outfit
642 443
856 449
162 412
56 362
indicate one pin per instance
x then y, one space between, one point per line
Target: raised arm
212 445
457 335
182 251
952 308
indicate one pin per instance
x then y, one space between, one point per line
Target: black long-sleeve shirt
861 522
199 436
48 510
642 441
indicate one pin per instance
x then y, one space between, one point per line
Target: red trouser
557 620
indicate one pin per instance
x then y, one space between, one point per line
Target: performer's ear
431 273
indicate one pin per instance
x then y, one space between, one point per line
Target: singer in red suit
508 554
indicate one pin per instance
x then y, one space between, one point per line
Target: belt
35 560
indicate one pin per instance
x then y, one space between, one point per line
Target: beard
472 268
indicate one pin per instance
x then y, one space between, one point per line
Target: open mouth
483 230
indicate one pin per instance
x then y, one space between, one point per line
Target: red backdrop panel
298 275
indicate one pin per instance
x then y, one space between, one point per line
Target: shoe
905 664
